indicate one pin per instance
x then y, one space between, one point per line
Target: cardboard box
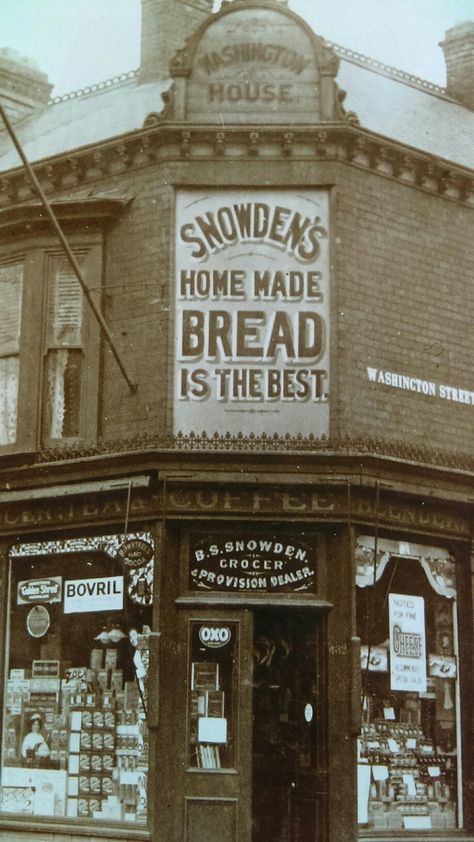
96 659
111 657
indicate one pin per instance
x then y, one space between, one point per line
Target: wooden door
205 786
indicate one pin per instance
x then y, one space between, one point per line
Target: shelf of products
408 782
76 742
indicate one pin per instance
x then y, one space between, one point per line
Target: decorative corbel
428 176
321 144
97 167
359 151
72 174
186 143
287 145
449 184
49 179
143 154
219 143
254 143
406 169
8 192
383 160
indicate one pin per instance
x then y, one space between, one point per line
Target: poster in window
407 643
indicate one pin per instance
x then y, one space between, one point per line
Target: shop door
255 768
288 711
216 773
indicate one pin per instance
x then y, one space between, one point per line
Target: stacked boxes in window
95 757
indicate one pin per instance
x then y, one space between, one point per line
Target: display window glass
75 736
409 751
211 698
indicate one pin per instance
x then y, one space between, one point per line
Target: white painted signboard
407 643
252 312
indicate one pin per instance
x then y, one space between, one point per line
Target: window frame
38 254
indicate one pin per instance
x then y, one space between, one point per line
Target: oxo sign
214 636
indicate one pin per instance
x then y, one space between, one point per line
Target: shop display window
409 750
211 697
75 737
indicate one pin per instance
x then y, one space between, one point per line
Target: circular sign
308 712
38 621
135 552
214 636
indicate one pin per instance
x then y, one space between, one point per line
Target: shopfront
237 674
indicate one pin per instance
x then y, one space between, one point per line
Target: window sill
73 827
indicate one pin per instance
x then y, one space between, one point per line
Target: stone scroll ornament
137 557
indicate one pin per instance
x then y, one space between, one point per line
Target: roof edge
387 70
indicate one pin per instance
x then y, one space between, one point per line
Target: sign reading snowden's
252 312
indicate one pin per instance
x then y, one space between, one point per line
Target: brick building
237 598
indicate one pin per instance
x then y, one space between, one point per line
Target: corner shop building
287 266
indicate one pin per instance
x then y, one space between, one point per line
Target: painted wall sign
252 312
90 595
257 564
256 64
407 643
428 388
40 590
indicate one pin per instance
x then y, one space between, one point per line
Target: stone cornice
160 142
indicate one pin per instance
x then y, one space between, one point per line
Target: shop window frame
463 729
118 829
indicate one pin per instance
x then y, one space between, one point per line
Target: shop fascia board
358 481
73 489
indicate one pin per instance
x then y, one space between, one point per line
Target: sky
82 42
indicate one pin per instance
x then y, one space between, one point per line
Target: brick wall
403 262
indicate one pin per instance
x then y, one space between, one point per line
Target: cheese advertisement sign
252 312
90 595
407 643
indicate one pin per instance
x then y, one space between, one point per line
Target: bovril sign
252 564
214 637
97 594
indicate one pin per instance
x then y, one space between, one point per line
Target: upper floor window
11 285
63 352
49 351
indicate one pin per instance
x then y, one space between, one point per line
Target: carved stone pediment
255 63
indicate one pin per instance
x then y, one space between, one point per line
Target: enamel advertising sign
88 595
252 312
